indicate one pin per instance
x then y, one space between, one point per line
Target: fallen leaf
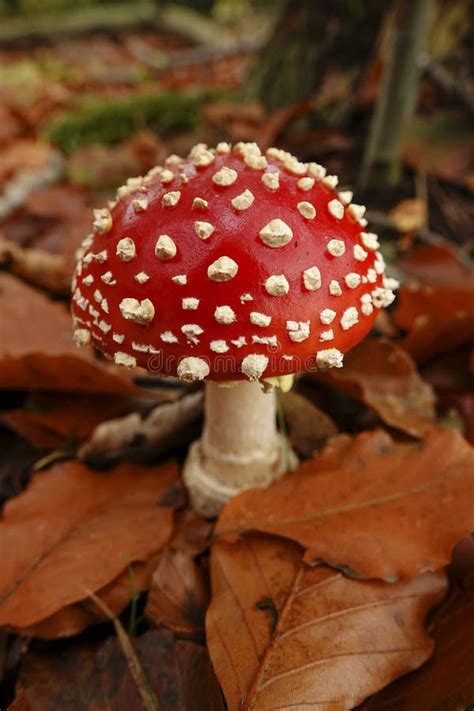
282 118
117 595
74 530
453 380
384 377
436 265
461 568
178 595
220 114
24 167
63 238
446 681
84 678
284 635
191 533
450 372
40 268
432 334
21 703
463 403
374 507
440 144
100 165
409 215
11 127
24 156
436 308
37 351
57 202
308 426
3 655
57 420
16 464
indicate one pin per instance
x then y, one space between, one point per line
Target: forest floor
113 594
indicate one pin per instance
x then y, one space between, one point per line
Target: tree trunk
398 94
310 36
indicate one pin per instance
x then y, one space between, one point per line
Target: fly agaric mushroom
235 268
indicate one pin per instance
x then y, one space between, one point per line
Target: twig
130 435
148 696
196 56
57 455
30 28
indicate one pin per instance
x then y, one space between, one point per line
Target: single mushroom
235 268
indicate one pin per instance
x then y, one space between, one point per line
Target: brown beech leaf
191 533
16 463
446 682
99 165
52 420
24 157
11 127
464 405
21 703
116 596
437 320
441 143
461 569
436 307
285 635
452 376
384 377
435 265
308 426
36 266
178 595
74 530
85 678
376 507
36 348
57 202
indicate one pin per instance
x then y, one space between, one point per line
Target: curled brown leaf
284 635
376 507
74 529
384 377
45 358
178 594
436 306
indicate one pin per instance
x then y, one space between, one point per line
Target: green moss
114 120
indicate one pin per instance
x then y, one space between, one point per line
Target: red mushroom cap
229 265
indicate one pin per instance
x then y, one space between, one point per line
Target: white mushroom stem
240 446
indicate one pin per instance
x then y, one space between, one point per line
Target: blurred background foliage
382 93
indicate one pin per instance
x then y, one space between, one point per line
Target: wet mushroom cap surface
229 264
